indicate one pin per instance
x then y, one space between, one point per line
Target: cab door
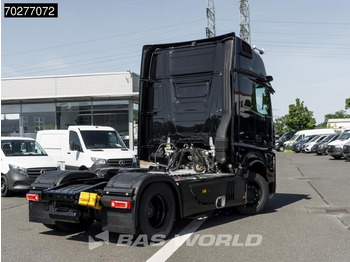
255 114
74 152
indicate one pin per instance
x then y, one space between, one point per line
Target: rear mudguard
40 211
130 186
58 177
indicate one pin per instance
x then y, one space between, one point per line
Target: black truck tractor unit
205 143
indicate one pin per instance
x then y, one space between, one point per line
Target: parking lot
307 220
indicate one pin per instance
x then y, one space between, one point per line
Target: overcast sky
306 42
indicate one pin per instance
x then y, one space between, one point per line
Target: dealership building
56 102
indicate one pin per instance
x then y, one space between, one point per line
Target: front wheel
157 210
5 191
257 195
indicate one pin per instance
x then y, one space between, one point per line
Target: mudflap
118 220
39 212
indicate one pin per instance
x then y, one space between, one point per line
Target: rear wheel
257 195
157 210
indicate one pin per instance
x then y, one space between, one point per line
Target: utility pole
210 29
244 18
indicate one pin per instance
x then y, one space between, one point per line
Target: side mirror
75 147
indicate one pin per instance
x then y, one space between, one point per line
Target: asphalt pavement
307 220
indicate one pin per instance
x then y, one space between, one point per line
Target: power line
100 39
289 22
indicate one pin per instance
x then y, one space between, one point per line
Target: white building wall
339 123
108 84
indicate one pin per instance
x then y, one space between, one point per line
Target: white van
301 134
335 148
22 161
87 148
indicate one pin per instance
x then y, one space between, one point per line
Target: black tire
337 157
5 191
157 210
71 227
257 195
281 148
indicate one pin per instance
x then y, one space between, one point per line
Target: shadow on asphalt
95 236
282 199
278 201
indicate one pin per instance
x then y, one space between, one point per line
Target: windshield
102 139
306 139
345 135
328 138
22 148
314 139
294 137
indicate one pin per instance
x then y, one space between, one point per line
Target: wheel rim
253 194
156 212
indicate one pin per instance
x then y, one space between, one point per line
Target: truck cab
212 94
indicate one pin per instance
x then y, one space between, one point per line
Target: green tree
338 114
280 125
299 117
347 103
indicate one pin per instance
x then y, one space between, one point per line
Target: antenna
210 29
244 18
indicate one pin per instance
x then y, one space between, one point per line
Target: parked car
297 147
87 148
285 137
335 148
346 150
22 161
298 136
320 147
307 147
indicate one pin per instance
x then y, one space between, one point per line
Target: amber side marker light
120 204
32 197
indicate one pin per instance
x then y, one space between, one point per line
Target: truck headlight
18 170
99 161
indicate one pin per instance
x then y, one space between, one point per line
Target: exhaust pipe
222 140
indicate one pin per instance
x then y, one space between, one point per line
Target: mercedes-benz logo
42 171
121 163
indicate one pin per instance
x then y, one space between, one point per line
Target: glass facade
27 119
73 113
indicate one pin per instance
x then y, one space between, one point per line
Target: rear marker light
32 197
120 204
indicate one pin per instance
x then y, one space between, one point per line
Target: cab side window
74 142
262 101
